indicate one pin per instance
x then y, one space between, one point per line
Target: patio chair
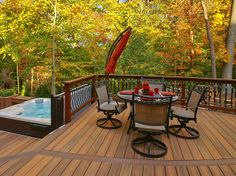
150 117
108 107
186 114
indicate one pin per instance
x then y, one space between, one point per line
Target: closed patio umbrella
116 50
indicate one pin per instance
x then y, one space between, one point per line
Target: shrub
44 91
7 92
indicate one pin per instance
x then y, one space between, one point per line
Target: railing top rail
198 79
78 80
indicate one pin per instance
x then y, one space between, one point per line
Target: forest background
67 39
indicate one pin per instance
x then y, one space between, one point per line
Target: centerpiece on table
146 88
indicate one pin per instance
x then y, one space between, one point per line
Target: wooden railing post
182 84
67 104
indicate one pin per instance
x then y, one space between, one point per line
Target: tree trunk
53 87
212 49
17 77
231 39
32 82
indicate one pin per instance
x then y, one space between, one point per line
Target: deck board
82 148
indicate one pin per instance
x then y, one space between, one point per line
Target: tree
209 36
230 44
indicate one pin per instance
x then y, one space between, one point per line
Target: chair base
177 129
113 123
155 148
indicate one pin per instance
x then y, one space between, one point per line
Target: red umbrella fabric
116 50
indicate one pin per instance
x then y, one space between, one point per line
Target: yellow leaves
222 54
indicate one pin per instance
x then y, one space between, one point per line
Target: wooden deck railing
221 94
78 94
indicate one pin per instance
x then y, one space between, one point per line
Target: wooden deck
81 148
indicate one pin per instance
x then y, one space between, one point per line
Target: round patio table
126 95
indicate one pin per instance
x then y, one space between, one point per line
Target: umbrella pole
109 92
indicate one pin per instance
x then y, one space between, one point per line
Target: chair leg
177 130
159 148
109 122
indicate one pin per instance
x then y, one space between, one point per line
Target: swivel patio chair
186 114
108 107
150 117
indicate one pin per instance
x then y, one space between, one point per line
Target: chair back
102 94
194 99
153 112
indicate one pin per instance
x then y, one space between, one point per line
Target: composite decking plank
222 145
8 141
227 120
30 146
15 147
148 170
126 170
89 142
186 153
49 168
71 133
216 171
171 171
29 165
70 169
114 170
103 169
114 145
40 165
233 167
205 153
166 141
182 170
137 170
106 144
193 171
210 146
204 170
92 169
82 141
82 168
226 169
79 133
229 129
60 167
160 171
7 165
129 152
98 142
229 140
120 152
207 128
177 154
77 124
218 127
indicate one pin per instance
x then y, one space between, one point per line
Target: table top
129 96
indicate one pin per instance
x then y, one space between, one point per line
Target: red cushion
125 92
168 93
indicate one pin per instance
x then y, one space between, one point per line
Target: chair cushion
182 112
108 107
149 127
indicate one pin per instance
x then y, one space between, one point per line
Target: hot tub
32 117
